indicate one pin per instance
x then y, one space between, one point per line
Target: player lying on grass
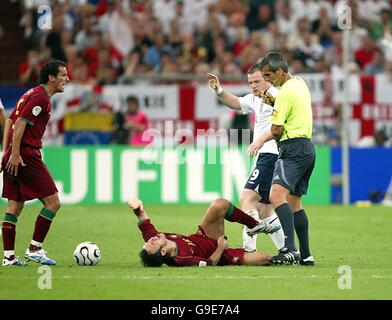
208 246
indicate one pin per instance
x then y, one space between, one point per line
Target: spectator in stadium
120 134
322 27
254 198
364 54
29 69
382 27
54 42
25 176
208 246
286 20
292 128
308 49
259 17
136 123
85 37
376 65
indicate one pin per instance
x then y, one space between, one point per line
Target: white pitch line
130 277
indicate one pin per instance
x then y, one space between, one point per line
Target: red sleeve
33 107
148 230
192 261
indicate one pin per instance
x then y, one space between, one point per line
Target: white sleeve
246 103
1 105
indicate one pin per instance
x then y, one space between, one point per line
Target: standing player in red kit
25 176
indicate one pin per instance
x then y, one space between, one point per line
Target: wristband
218 91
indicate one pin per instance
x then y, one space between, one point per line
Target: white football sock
9 253
249 243
36 243
278 236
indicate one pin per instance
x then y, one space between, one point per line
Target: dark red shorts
231 256
32 182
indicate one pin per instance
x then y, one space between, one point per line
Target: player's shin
249 243
8 230
234 214
287 220
42 226
278 238
302 230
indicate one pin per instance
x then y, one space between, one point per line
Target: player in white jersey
254 198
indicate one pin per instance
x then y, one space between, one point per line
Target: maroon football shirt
34 107
192 249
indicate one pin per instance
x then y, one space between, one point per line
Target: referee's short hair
274 60
51 68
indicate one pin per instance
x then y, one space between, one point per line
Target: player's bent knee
276 199
15 209
54 206
222 204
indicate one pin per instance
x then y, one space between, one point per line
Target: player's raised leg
8 230
221 209
35 252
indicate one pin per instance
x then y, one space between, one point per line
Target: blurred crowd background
106 42
121 41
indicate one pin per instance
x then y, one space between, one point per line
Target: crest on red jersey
37 110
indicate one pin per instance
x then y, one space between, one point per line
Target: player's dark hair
156 259
274 60
51 68
254 68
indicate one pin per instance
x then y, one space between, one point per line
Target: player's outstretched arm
138 209
258 143
275 133
225 97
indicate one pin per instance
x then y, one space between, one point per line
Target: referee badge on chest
37 110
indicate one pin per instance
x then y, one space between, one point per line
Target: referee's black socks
287 221
302 229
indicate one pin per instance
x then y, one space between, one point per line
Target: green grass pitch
356 237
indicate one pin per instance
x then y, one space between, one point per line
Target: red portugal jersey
34 107
193 250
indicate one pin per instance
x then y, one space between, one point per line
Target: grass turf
357 237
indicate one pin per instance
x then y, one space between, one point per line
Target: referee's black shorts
295 165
